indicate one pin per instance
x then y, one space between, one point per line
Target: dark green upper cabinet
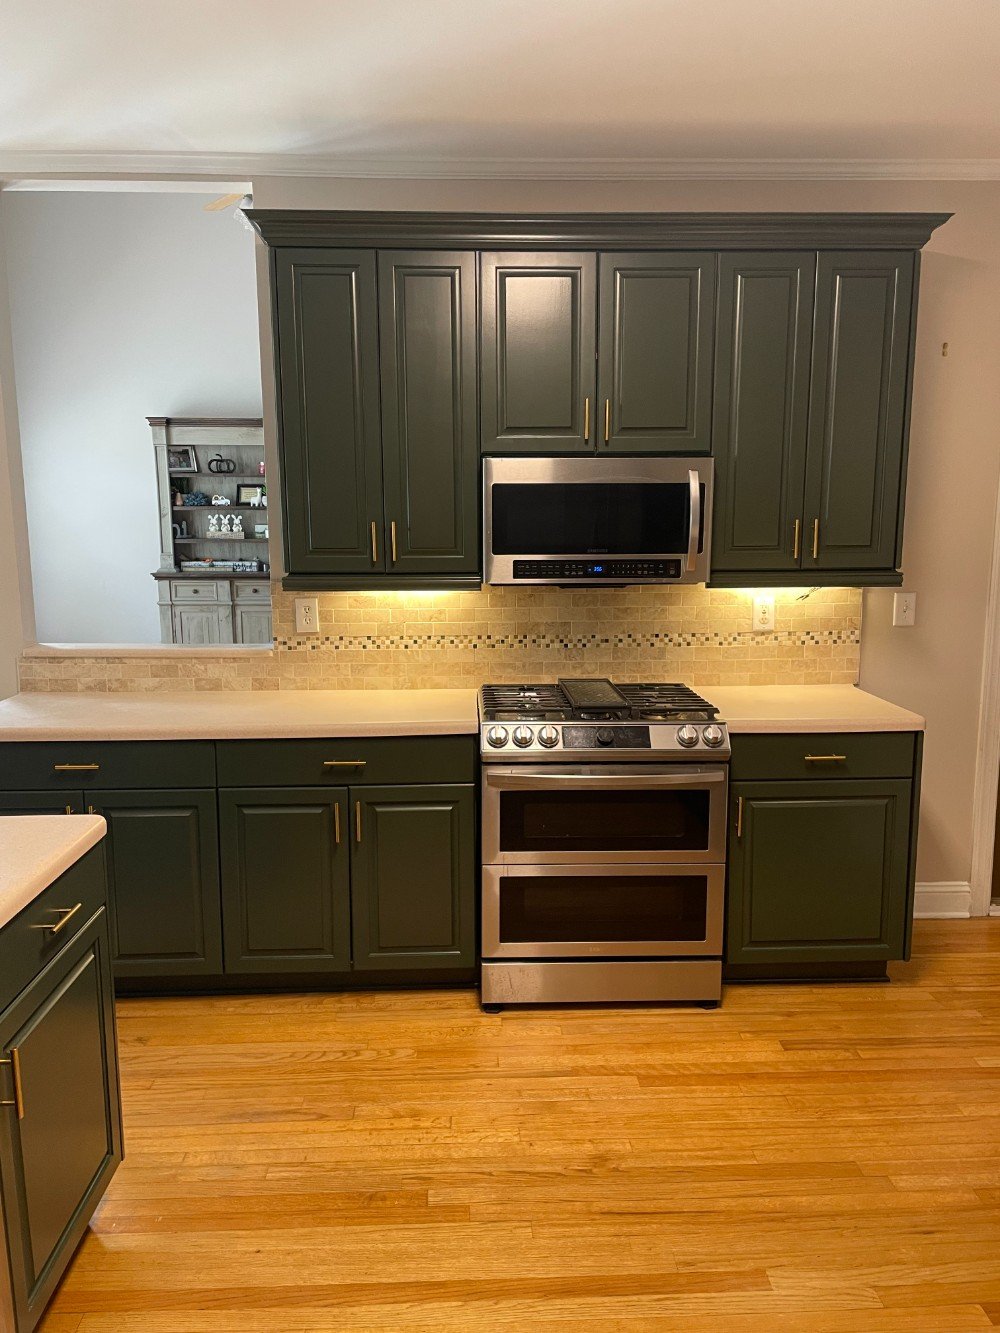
655 319
762 360
857 413
538 352
427 319
327 355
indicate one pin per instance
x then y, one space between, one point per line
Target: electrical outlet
307 615
904 608
763 613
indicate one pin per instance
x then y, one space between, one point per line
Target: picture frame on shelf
182 458
249 494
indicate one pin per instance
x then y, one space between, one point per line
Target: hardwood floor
805 1158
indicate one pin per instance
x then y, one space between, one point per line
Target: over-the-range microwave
597 520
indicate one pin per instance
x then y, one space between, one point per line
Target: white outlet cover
763 613
307 615
904 608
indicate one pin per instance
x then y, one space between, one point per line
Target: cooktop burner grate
645 702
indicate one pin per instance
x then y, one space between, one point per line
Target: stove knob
523 736
497 736
712 735
548 737
605 736
687 735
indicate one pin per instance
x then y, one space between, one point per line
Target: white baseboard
942 900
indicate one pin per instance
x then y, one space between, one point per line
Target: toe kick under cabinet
822 844
251 863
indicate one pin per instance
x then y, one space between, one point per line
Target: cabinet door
61 1141
163 881
818 871
331 453
762 351
537 368
430 443
857 413
655 320
413 880
41 803
285 879
253 624
208 623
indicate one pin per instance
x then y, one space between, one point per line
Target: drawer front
207 591
344 762
823 755
70 766
24 948
252 592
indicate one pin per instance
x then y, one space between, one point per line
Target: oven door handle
627 781
694 525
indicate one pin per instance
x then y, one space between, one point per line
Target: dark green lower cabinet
163 871
285 879
42 803
412 864
58 1155
818 872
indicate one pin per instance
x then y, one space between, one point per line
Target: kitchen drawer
344 762
252 592
59 766
24 949
834 755
207 590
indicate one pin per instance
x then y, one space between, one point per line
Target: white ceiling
458 86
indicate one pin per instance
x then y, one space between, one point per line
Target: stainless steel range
604 843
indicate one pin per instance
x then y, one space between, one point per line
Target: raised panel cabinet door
162 850
760 417
857 412
41 803
331 450
413 879
430 441
61 1142
253 624
285 879
818 871
537 362
203 625
655 319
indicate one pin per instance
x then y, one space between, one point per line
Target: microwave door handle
619 781
694 525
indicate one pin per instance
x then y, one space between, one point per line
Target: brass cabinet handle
586 418
65 915
14 1061
825 758
797 540
336 823
374 545
344 763
392 539
69 809
357 821
75 768
815 538
607 420
739 816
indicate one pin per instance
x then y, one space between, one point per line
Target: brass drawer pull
815 538
75 768
607 420
797 540
586 418
66 914
344 763
825 758
336 823
392 539
15 1068
357 821
374 545
739 816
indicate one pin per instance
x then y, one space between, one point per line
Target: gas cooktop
646 721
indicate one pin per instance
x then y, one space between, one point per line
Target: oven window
620 518
542 909
559 820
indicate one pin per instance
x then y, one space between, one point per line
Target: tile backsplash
444 639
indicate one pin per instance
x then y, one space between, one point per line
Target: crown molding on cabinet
19 164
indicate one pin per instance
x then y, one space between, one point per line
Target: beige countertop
36 849
792 708
238 715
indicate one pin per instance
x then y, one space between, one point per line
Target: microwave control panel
597 569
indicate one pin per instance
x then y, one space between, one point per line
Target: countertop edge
48 866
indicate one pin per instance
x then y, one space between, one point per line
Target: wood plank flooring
805 1158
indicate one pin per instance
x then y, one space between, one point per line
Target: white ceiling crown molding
20 165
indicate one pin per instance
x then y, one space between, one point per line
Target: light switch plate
763 613
307 615
904 608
